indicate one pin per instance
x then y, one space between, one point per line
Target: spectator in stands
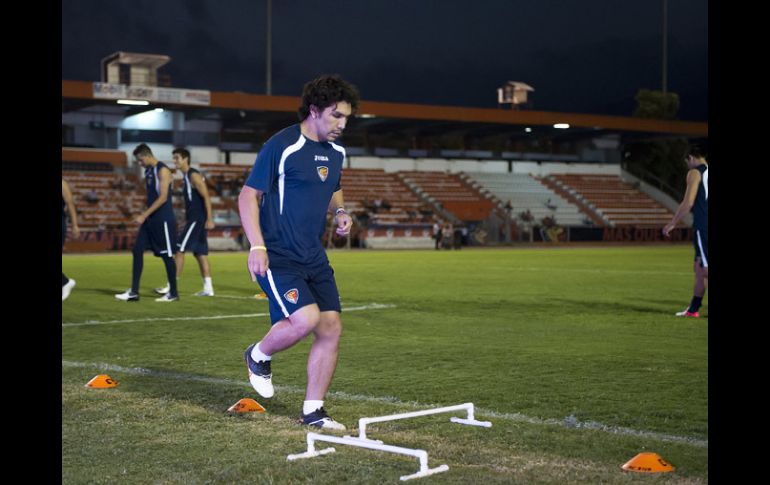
550 230
385 204
69 202
284 218
368 204
696 200
550 204
437 228
91 197
362 216
157 225
199 220
447 234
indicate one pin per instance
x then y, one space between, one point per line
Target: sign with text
198 97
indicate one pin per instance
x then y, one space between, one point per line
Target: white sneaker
205 293
167 297
66 289
127 296
687 313
260 375
164 290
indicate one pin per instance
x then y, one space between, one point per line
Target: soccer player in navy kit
67 200
199 218
157 225
696 199
283 205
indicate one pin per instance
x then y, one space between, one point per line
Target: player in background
198 214
69 202
696 200
157 225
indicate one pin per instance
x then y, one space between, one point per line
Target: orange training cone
648 463
246 405
102 381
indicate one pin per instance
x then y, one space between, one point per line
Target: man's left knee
330 325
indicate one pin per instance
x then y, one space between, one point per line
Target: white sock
310 406
257 354
207 286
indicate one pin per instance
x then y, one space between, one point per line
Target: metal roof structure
407 129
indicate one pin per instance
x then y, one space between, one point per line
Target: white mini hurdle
421 455
363 442
468 406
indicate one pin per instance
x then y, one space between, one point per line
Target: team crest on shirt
292 296
323 172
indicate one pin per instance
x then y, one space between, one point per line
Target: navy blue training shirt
297 177
195 208
152 181
700 209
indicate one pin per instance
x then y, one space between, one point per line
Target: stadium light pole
268 57
665 45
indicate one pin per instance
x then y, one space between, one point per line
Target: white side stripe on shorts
168 239
187 236
276 294
703 258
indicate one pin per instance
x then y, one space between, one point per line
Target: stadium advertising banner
151 93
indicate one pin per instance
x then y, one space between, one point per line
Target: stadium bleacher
527 193
619 202
413 199
454 195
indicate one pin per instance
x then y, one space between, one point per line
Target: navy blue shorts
194 238
289 287
159 236
701 241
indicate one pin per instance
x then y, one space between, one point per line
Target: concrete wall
483 166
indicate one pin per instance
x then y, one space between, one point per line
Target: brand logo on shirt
321 158
323 172
292 296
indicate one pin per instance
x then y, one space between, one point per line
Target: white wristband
340 210
254 248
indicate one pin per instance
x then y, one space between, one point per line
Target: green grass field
572 353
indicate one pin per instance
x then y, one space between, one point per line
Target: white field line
600 271
567 422
371 306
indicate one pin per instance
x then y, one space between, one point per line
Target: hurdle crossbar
421 455
469 420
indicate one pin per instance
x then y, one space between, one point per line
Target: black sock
136 273
64 280
171 273
695 304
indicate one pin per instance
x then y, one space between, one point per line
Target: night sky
581 56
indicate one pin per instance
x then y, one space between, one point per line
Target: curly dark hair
325 91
